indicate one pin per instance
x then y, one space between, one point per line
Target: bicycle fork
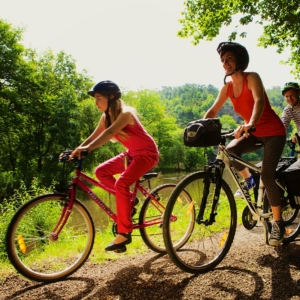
65 213
217 179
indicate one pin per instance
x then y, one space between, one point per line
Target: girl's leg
139 166
106 170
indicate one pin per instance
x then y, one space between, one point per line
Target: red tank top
269 123
139 141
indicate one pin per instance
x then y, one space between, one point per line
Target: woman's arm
219 102
256 86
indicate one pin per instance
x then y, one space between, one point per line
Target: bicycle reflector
21 243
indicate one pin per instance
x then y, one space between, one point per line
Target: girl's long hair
115 107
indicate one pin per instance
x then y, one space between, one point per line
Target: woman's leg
273 149
238 147
272 152
241 146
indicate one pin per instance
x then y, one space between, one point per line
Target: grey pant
273 147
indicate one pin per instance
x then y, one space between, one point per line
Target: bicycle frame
77 181
223 160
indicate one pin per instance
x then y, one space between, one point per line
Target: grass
100 256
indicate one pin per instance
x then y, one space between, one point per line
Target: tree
202 19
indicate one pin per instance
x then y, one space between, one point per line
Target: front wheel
151 218
214 230
31 247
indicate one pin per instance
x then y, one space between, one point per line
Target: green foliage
45 109
188 102
203 19
228 122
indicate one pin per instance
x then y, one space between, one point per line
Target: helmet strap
229 75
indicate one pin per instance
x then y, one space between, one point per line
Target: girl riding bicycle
250 100
120 122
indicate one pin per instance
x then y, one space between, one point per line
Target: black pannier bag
291 178
202 133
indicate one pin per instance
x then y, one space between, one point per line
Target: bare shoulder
126 116
254 81
253 76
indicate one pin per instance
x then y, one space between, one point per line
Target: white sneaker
249 184
238 194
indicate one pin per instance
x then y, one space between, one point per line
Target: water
102 220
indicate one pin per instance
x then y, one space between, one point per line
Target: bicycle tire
30 247
291 219
209 242
152 212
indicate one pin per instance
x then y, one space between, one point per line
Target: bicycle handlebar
66 155
230 133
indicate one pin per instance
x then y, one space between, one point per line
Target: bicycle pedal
121 250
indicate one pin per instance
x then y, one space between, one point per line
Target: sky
134 42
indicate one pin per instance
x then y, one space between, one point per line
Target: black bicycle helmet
240 52
106 86
290 85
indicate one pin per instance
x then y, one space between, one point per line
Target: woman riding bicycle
120 122
250 101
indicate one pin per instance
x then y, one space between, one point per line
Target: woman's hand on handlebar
243 130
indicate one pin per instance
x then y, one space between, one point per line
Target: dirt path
251 270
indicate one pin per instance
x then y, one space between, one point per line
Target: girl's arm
98 130
122 120
100 136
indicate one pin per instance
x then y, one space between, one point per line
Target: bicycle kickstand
267 229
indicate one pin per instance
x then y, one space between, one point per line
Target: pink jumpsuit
144 155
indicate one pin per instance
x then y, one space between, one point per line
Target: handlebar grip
66 155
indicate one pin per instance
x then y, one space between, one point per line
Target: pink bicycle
52 235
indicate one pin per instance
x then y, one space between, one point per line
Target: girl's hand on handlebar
78 152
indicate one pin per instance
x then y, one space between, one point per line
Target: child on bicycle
120 122
250 101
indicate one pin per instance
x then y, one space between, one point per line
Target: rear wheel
33 249
213 231
290 216
151 216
